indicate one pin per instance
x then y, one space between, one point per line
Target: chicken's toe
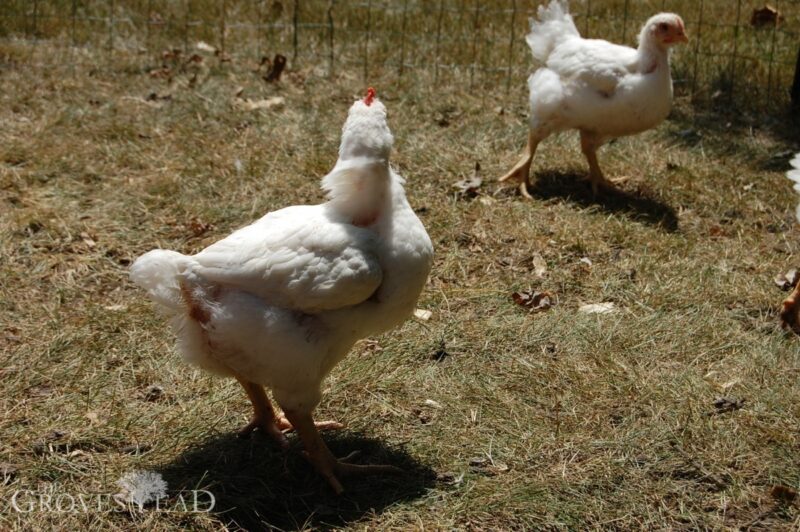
269 427
286 425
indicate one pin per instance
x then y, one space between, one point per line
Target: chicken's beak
682 37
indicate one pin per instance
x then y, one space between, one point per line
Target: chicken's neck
359 193
652 57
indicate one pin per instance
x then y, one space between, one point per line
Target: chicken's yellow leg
589 145
321 457
521 171
263 414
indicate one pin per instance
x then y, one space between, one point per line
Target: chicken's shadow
575 188
256 486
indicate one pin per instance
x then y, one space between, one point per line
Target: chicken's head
366 133
665 30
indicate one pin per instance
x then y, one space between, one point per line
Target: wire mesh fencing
740 51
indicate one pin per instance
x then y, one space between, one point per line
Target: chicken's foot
327 465
521 171
263 414
589 145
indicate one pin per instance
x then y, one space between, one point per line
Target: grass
551 420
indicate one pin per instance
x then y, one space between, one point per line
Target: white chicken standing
601 89
791 305
278 303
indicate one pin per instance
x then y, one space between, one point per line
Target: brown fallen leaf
468 187
766 17
276 67
198 227
783 493
534 300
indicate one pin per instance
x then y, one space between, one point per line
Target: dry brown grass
587 421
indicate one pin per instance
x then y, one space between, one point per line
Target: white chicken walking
280 302
601 89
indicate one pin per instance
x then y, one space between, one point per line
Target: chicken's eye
662 26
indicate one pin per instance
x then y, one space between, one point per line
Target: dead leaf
90 243
468 187
487 466
422 314
432 403
7 471
586 261
787 281
766 17
441 353
198 227
40 390
726 404
783 493
539 265
205 47
276 67
534 301
115 308
93 417
154 393
598 308
247 104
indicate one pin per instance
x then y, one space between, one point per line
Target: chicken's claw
286 426
267 426
332 469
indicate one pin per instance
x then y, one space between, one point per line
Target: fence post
295 17
697 39
403 39
110 26
625 20
222 29
796 86
735 48
771 56
438 42
188 9
330 39
511 45
474 43
74 16
366 41
588 16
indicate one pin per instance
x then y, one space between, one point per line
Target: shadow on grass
575 188
258 487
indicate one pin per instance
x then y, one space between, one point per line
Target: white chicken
791 305
280 302
601 89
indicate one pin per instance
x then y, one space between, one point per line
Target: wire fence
735 55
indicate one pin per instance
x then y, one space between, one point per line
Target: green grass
585 421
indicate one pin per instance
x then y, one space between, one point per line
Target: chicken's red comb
370 96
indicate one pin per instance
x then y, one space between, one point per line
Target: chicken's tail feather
794 175
554 25
159 272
